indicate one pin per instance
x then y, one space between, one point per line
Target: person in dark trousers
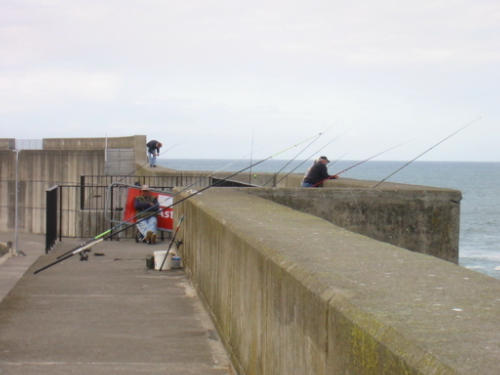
147 207
153 151
318 173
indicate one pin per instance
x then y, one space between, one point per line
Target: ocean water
479 247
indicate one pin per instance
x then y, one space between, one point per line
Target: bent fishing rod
107 234
359 163
100 237
317 152
131 219
213 173
341 157
244 169
426 151
82 248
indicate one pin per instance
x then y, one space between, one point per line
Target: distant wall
38 171
292 293
60 162
93 143
136 142
7 144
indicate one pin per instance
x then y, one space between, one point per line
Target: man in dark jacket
153 151
318 173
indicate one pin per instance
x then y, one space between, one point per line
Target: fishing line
411 161
359 163
372 157
101 237
136 216
340 158
251 159
165 208
296 156
317 152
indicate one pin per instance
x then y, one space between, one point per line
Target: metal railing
97 204
181 179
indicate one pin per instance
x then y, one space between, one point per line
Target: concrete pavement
108 315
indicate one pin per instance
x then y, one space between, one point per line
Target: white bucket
160 255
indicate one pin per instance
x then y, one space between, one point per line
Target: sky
238 79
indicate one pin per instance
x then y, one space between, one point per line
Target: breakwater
302 281
292 293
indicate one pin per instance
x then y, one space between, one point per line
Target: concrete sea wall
38 171
417 218
302 281
59 162
292 293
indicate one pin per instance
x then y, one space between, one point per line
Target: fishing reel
84 256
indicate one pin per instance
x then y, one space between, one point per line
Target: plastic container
150 261
176 262
159 257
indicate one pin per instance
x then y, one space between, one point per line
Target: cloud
217 73
41 87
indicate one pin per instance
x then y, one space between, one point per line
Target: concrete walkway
107 315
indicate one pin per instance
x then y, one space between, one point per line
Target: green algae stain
363 351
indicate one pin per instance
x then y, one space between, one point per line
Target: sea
479 246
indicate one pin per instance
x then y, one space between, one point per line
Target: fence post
111 210
82 192
51 218
60 213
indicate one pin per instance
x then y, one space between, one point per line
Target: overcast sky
228 79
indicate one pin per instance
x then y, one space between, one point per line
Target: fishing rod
135 217
101 237
86 244
341 157
411 161
172 241
251 159
329 143
296 156
244 169
75 251
130 219
213 173
372 157
238 172
359 163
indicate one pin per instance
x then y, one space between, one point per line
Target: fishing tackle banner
165 216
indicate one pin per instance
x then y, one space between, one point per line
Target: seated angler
147 208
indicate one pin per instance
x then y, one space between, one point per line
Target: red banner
165 217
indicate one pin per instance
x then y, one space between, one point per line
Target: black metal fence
154 182
97 203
